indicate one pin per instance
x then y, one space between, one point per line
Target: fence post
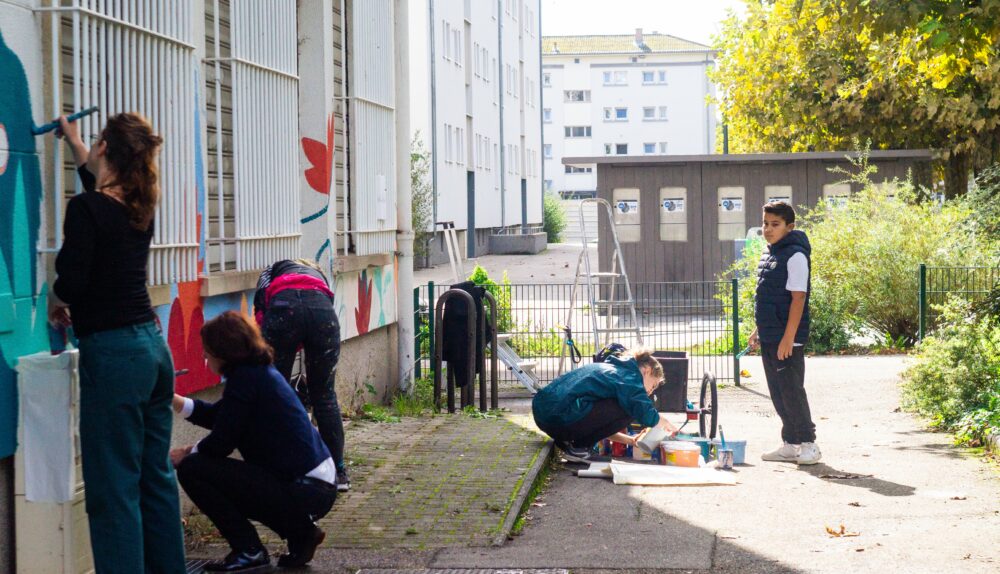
736 331
416 330
430 322
922 304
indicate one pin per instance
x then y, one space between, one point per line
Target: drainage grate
195 566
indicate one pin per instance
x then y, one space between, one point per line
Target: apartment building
476 105
641 94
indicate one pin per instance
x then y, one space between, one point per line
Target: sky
695 20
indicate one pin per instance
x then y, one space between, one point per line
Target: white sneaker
808 453
787 453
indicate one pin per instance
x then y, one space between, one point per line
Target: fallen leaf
842 533
539 504
590 524
745 374
958 497
858 504
859 549
967 556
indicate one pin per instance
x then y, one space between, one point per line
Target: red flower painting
362 315
320 155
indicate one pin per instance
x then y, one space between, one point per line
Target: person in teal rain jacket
598 400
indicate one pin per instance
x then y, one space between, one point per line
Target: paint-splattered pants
301 318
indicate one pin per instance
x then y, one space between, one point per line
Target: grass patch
378 414
541 483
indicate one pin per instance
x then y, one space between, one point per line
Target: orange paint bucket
676 453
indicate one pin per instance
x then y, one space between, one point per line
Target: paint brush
722 437
46 128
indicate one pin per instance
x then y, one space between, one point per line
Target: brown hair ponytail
644 358
132 153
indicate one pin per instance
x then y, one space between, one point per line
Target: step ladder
450 236
523 370
614 310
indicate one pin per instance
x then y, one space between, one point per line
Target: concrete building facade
476 106
641 94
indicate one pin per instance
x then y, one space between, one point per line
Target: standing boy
781 310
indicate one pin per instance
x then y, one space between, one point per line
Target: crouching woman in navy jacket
286 480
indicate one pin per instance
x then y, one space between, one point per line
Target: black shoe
343 481
243 562
575 454
301 552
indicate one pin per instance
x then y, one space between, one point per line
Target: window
649 148
457 38
654 77
577 131
663 147
547 150
547 115
652 114
616 114
574 169
577 95
607 149
548 185
446 39
547 80
621 149
615 78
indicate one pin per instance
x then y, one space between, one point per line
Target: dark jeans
305 318
232 493
786 383
605 419
126 385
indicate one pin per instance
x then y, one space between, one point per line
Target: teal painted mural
22 316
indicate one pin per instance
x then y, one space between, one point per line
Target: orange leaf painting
320 155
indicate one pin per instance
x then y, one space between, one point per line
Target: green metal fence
940 284
697 317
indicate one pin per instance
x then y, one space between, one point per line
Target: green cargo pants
126 385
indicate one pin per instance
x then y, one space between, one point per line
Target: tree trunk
957 175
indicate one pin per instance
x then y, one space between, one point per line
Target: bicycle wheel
708 419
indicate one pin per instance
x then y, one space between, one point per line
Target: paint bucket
725 458
703 443
739 448
678 453
651 439
639 454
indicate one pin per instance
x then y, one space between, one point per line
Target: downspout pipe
434 125
404 199
503 149
541 112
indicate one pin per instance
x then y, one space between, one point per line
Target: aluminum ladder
523 370
613 308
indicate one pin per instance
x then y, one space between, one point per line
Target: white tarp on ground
45 385
658 475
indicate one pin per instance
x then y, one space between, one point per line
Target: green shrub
420 402
553 217
501 292
865 256
955 380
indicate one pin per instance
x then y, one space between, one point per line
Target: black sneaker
301 551
575 454
343 481
242 562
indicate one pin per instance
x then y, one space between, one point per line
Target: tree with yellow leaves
798 75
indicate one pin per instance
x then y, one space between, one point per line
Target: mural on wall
319 177
22 318
365 300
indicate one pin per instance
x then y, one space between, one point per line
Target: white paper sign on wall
731 204
627 206
673 204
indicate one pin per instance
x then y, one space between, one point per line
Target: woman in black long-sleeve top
286 478
126 372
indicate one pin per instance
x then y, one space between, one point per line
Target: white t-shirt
798 276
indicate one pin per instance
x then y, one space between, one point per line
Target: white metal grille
134 55
373 128
257 136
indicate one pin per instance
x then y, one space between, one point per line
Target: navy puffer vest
773 301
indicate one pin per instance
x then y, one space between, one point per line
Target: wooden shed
678 216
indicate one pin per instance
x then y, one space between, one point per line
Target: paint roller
46 128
